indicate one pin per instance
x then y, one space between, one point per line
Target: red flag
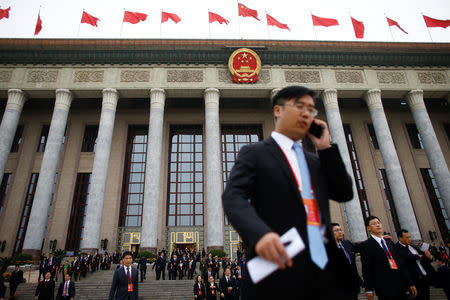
318 21
436 22
394 23
166 16
38 25
358 26
4 13
216 18
88 19
134 17
244 11
271 21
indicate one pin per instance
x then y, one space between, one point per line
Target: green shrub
59 254
218 252
22 257
146 254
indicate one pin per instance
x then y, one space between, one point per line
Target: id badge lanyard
391 260
130 284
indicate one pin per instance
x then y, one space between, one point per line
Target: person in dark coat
442 276
211 289
15 280
142 266
227 286
45 289
66 290
172 267
2 288
160 266
125 281
199 288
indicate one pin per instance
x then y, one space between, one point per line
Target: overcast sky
61 19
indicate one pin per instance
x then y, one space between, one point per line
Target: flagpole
314 27
121 25
39 13
390 30
239 21
268 31
160 24
209 26
428 29
350 15
79 25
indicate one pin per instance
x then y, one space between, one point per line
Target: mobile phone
316 130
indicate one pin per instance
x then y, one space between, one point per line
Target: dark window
389 199
78 212
134 177
185 188
356 171
43 139
447 130
26 212
17 139
89 138
4 189
437 203
414 136
373 136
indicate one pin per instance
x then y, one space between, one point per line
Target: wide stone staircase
96 286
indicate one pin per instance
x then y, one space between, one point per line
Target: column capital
63 99
212 96
373 99
157 98
211 90
110 98
16 99
330 99
154 91
415 100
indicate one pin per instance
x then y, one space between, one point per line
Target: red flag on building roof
216 18
134 17
165 16
394 23
38 25
244 11
318 21
272 22
358 26
4 13
88 19
430 22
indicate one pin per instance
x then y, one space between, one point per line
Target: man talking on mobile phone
288 187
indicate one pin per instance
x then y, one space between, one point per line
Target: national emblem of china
244 65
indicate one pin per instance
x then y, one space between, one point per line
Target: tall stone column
93 219
11 116
152 190
353 207
213 174
392 165
431 145
43 195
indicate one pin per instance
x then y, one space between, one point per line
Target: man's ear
276 111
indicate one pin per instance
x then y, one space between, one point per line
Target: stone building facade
127 144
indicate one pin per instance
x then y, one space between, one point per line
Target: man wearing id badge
382 270
289 187
125 281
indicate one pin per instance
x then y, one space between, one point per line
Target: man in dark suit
14 281
125 281
382 268
442 276
349 281
417 264
227 286
142 266
288 187
160 266
66 290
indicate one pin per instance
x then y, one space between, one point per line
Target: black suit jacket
61 290
45 290
377 273
409 261
348 278
263 175
119 286
199 292
211 292
224 285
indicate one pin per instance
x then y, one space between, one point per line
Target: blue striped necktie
316 245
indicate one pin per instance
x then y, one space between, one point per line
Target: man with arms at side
349 281
66 290
382 270
417 264
125 281
227 285
288 187
14 281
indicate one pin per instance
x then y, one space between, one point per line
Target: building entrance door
184 246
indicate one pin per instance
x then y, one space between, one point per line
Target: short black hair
370 218
401 232
127 253
335 224
290 92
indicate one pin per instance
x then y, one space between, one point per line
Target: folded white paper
425 247
259 268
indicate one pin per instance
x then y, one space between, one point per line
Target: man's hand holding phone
320 141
